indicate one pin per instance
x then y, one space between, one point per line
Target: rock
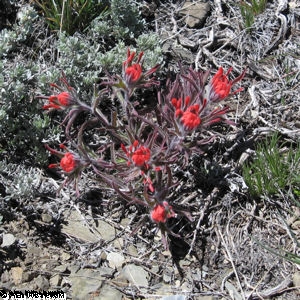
46 218
55 281
205 298
174 297
27 276
167 275
132 250
115 259
8 239
135 275
233 292
84 283
16 274
108 292
296 279
65 256
41 283
195 13
78 228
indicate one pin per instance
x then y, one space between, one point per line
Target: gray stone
108 293
115 259
46 218
135 275
174 297
195 13
55 281
84 283
78 228
8 239
296 279
41 283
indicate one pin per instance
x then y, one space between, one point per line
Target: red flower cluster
221 86
133 72
68 162
161 212
190 116
139 155
59 101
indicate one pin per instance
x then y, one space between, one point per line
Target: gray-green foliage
22 125
273 169
19 182
10 39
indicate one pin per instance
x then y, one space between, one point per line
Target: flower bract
161 212
59 101
68 162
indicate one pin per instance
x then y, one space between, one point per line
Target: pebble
195 13
8 239
46 218
135 275
16 273
55 281
108 293
296 279
41 283
84 283
115 259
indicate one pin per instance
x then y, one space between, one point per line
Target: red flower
161 212
189 115
221 86
59 101
134 73
140 155
190 118
68 162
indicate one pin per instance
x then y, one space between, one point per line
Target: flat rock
85 282
135 275
108 293
296 279
115 259
8 239
78 228
195 13
16 273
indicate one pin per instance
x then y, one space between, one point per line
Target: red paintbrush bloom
68 163
59 101
161 212
188 115
190 118
221 85
139 155
133 73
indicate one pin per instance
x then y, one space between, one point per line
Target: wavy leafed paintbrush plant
142 144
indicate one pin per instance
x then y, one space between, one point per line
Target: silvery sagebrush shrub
22 126
21 182
142 145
